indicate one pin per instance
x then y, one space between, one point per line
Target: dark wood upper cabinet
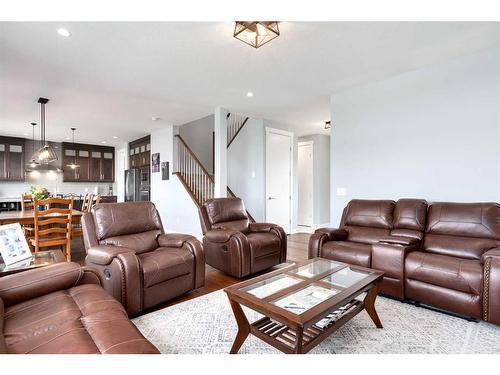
12 159
140 152
96 163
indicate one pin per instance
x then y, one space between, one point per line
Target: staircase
191 172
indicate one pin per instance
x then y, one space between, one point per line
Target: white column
220 167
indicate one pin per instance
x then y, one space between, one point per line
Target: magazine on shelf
13 245
305 299
334 316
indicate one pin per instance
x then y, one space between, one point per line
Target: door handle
271 198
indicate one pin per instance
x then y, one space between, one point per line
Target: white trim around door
281 218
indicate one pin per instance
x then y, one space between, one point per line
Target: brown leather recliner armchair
235 245
139 264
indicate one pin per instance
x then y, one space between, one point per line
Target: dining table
28 217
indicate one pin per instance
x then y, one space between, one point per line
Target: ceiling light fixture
33 163
103 142
256 33
249 94
328 124
64 32
115 137
73 164
46 153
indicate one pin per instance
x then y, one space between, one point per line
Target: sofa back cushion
228 213
368 221
410 218
120 219
464 230
3 345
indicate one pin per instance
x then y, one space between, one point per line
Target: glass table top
345 277
302 300
270 286
316 268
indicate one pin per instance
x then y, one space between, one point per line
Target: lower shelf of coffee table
284 338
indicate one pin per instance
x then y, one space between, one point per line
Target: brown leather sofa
62 309
235 245
446 255
140 265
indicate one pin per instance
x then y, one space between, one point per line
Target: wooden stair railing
196 180
235 123
193 175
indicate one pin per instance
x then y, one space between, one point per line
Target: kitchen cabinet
140 152
96 163
12 159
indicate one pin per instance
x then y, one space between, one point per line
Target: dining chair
27 205
53 224
87 202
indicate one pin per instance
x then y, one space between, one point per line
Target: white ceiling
109 79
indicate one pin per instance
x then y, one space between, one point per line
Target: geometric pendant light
256 33
31 166
46 153
73 164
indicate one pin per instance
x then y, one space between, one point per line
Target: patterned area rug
206 325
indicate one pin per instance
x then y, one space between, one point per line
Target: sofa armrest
174 239
221 235
27 285
104 254
261 227
492 253
399 240
333 234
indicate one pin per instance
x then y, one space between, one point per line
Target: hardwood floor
214 279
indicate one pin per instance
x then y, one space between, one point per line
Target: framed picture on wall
13 245
155 162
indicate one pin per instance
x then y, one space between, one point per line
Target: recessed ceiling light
25 134
67 138
103 142
249 94
64 32
115 137
155 118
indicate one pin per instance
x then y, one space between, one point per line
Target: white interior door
279 178
305 189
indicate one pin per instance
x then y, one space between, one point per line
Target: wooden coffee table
37 260
294 300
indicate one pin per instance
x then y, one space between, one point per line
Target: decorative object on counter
155 162
73 164
165 174
31 166
53 226
39 192
46 153
13 245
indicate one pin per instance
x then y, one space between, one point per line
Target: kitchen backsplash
53 182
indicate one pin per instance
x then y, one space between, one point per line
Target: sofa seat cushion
355 253
263 244
83 319
464 275
166 263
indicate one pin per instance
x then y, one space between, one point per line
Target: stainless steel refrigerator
137 187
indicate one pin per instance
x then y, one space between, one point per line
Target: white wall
433 133
321 177
246 167
178 212
198 135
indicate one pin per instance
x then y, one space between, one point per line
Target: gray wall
246 167
198 136
433 133
321 173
